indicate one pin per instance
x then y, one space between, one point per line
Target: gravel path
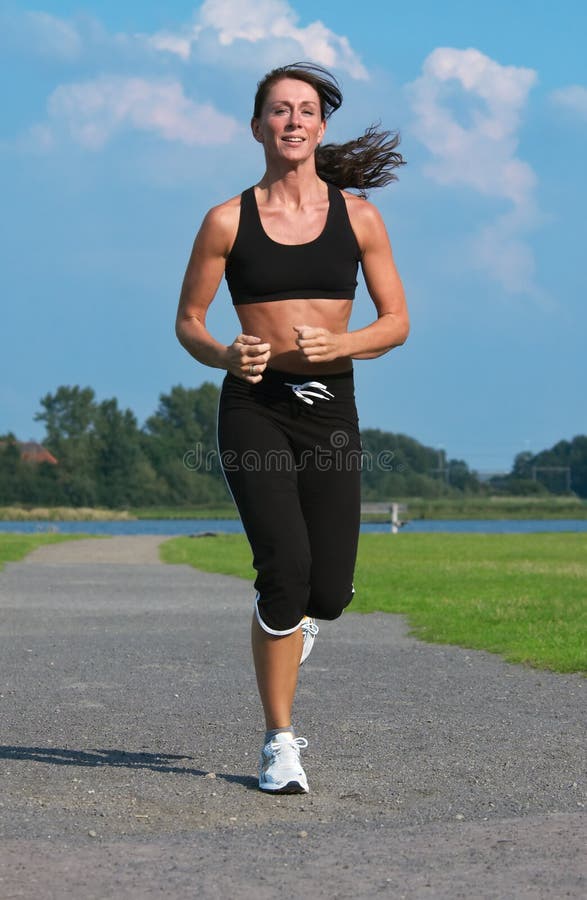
131 729
134 550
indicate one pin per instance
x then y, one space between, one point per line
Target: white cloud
270 25
268 32
178 44
572 98
227 34
92 112
468 112
482 154
224 33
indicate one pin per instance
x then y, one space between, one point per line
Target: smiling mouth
293 140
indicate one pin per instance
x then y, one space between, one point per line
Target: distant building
33 452
30 451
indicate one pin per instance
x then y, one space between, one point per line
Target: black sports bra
259 269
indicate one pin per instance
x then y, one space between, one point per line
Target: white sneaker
309 632
280 769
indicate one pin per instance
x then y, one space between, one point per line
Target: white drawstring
304 392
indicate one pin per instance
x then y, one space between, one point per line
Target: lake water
233 526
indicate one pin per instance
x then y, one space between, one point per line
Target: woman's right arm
200 284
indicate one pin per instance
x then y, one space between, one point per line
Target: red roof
33 452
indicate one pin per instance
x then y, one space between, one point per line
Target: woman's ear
255 128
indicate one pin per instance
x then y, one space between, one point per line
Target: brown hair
365 162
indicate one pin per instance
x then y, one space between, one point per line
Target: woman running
288 432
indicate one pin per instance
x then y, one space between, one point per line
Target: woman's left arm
392 325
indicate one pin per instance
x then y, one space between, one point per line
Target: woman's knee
280 613
283 586
329 603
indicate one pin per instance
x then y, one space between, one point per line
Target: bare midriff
274 322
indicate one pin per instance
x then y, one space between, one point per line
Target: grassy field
420 508
61 514
496 507
15 546
522 596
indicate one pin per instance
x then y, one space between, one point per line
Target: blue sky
123 123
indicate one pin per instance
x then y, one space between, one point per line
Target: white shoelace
310 627
295 744
309 630
309 389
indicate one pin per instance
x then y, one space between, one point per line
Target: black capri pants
291 453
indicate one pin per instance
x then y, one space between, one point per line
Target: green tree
396 465
68 416
119 460
184 418
11 470
180 441
522 465
460 477
578 464
555 470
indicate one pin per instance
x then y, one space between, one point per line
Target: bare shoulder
366 220
220 224
361 210
223 216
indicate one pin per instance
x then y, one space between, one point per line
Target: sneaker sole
292 787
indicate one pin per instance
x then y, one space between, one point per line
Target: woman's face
290 126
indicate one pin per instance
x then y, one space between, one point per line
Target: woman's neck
293 187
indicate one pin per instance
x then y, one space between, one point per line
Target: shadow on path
97 758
